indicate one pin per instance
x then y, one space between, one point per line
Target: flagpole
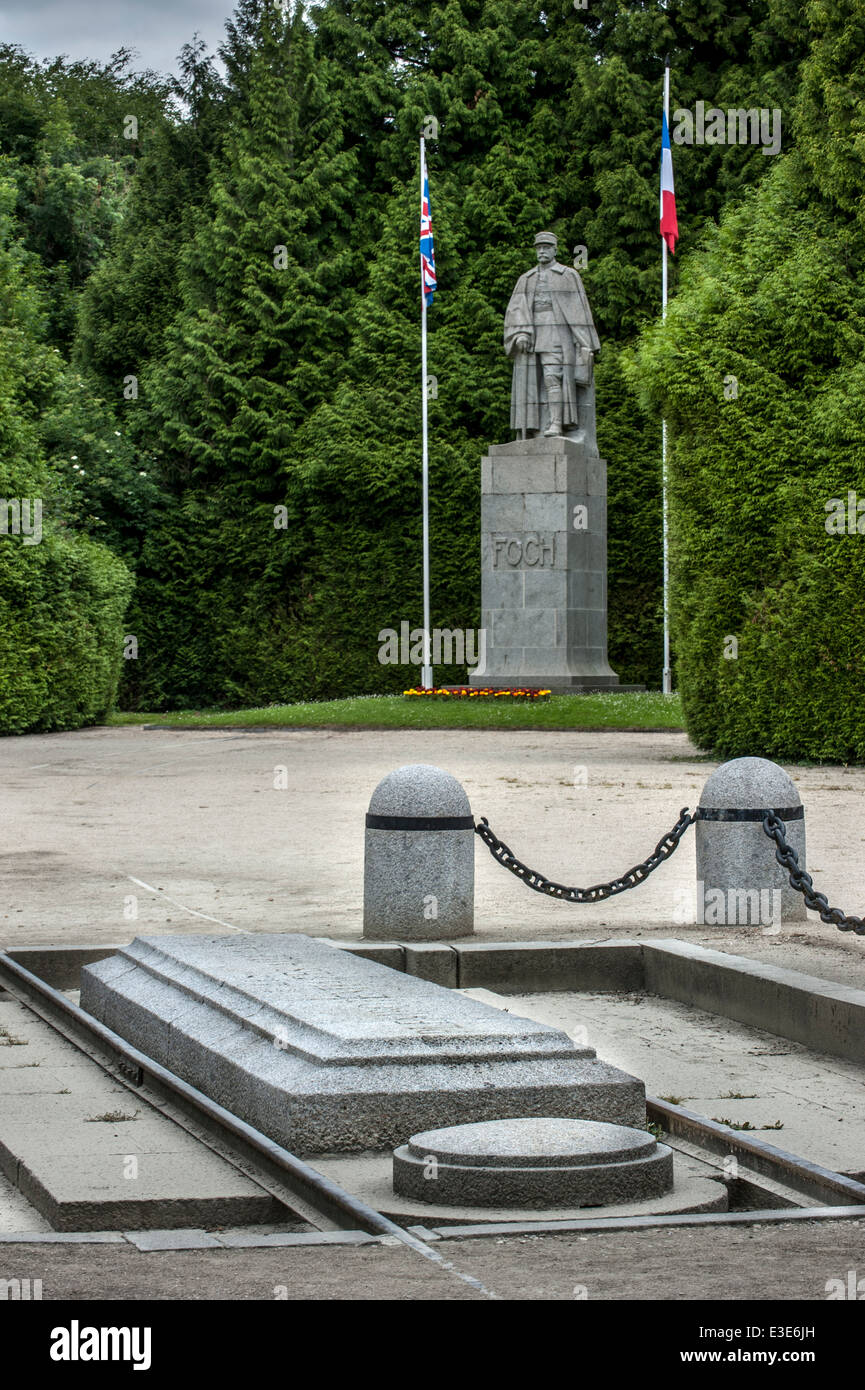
426 673
667 680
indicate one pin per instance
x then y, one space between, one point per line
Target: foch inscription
533 549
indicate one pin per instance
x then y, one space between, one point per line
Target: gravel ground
790 1261
187 830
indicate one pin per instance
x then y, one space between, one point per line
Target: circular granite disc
370 1176
532 1162
532 1143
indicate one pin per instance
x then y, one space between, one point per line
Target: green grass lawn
644 710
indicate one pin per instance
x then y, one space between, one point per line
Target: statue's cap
549 237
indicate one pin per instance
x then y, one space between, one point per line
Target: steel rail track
807 1178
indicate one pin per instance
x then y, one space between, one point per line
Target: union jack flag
427 250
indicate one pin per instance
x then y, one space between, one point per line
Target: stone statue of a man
551 338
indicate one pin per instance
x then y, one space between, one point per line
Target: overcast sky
157 29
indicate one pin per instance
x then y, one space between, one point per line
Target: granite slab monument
327 1052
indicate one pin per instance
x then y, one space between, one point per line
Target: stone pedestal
531 1162
544 566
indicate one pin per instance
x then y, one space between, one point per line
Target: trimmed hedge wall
61 629
761 373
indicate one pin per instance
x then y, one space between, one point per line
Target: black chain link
773 826
640 872
803 882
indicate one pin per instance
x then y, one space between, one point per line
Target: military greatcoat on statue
550 337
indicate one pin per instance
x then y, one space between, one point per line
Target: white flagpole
667 680
426 673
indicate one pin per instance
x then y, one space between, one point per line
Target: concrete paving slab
39 1052
62 1237
237 1240
80 1117
16 1213
173 1240
28 1081
84 1168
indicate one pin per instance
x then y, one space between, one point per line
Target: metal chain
803 882
640 872
773 826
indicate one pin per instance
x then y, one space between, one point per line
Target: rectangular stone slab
327 1052
72 1162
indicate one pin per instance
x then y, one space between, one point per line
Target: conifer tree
133 294
259 343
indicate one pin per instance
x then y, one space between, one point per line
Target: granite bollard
739 880
419 859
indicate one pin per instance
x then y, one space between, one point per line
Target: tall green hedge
768 619
760 372
61 628
62 596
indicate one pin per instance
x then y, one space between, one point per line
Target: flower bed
467 692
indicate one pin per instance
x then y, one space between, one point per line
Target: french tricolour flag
427 250
669 225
